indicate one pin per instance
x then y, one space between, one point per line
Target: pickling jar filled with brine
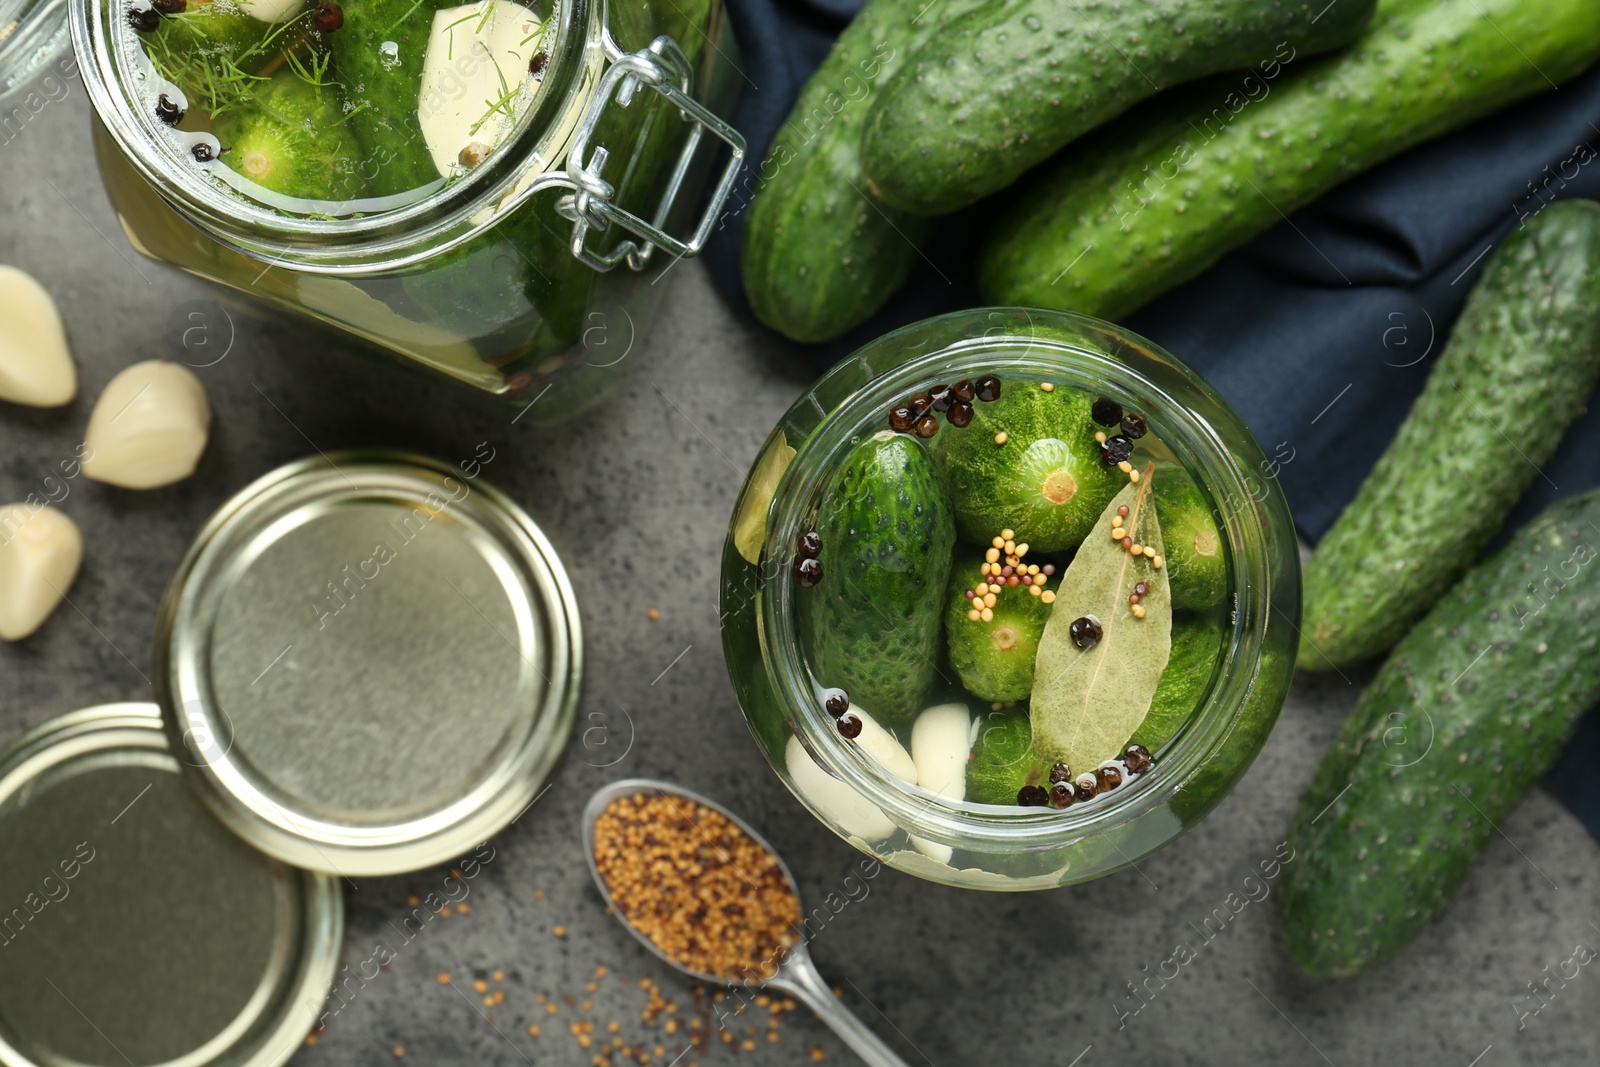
488 189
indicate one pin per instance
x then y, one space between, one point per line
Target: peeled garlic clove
271 10
40 550
940 744
939 748
35 364
884 747
838 803
148 428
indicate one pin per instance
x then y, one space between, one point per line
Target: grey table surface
637 500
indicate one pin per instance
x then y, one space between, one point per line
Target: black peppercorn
1032 796
988 388
1133 425
808 572
942 397
1062 794
920 405
144 19
170 7
1141 588
1116 450
927 426
1085 631
850 725
810 544
964 390
202 153
1086 786
1106 412
537 63
1108 777
960 415
328 16
901 419
837 701
167 111
1137 759
1060 773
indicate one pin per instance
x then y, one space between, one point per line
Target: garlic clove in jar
271 10
35 364
148 428
40 550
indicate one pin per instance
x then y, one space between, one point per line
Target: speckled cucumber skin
1496 678
872 625
1006 86
1196 647
1154 200
1197 569
993 659
821 254
1049 449
390 90
1518 369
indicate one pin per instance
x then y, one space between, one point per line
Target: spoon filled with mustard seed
709 896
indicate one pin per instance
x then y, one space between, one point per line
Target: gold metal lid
373 659
134 928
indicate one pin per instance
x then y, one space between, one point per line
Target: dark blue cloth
1321 331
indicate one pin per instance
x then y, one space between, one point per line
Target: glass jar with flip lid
484 188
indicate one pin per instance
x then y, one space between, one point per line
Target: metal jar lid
374 660
133 927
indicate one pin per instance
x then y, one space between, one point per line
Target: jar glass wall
993 845
462 261
32 34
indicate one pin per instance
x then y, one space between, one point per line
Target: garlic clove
884 747
477 54
271 10
40 550
838 803
148 428
35 363
940 745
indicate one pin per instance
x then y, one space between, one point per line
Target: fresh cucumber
1464 717
871 626
1006 86
1196 567
1044 480
378 54
1196 648
290 139
993 658
1156 199
820 252
1518 369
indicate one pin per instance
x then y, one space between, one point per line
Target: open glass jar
487 189
32 32
995 820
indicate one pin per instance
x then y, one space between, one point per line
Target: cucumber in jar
290 139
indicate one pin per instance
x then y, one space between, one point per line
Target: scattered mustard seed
1001 437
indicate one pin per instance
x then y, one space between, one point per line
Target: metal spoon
796 975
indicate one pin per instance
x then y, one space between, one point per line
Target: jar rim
1128 365
385 239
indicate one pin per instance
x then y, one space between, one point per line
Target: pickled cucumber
995 658
1046 481
378 53
212 52
1003 760
1196 647
292 139
1196 569
871 625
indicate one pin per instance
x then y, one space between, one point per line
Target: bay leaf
750 527
1087 702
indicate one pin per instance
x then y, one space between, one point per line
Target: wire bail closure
663 67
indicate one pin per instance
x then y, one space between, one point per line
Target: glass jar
990 846
32 32
524 270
